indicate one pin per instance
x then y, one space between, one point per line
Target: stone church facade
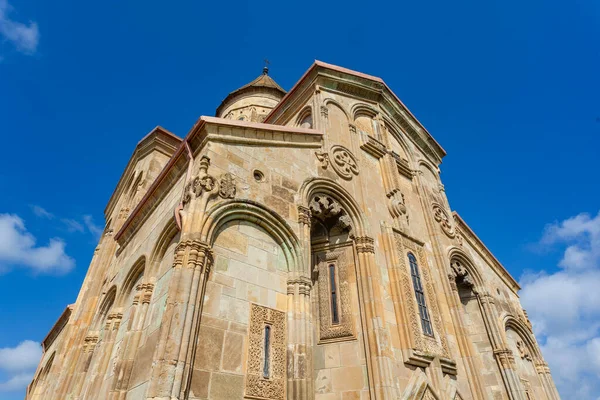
298 245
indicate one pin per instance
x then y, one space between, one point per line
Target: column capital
365 244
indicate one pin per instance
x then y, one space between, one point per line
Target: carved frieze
269 351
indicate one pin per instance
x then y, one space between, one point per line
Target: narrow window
267 345
335 318
416 279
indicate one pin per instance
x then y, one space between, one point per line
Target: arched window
335 319
267 353
420 294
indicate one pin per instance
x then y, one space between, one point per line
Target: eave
158 139
58 326
485 253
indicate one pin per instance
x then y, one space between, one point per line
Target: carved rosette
440 215
257 386
342 161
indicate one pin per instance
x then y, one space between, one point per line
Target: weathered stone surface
316 219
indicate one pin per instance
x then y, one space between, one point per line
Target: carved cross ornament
341 160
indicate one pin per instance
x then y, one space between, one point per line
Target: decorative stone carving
460 274
206 184
323 158
324 112
343 162
199 255
364 244
352 128
505 358
523 350
328 331
90 342
428 395
227 187
124 213
304 215
422 343
330 214
439 214
257 386
397 207
109 232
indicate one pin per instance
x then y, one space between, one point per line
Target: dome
252 102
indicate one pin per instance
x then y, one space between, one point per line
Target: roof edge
488 252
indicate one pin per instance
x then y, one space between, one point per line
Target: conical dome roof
263 92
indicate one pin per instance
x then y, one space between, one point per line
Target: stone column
300 327
181 321
131 341
504 356
94 382
299 347
541 367
379 353
464 344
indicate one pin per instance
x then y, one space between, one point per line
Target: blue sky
510 89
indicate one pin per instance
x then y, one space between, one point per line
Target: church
298 245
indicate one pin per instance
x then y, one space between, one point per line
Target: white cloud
19 363
72 225
564 306
92 227
21 358
25 37
18 247
41 212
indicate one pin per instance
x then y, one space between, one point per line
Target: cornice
158 139
212 129
59 325
478 245
369 87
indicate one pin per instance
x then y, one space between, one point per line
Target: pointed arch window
420 295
